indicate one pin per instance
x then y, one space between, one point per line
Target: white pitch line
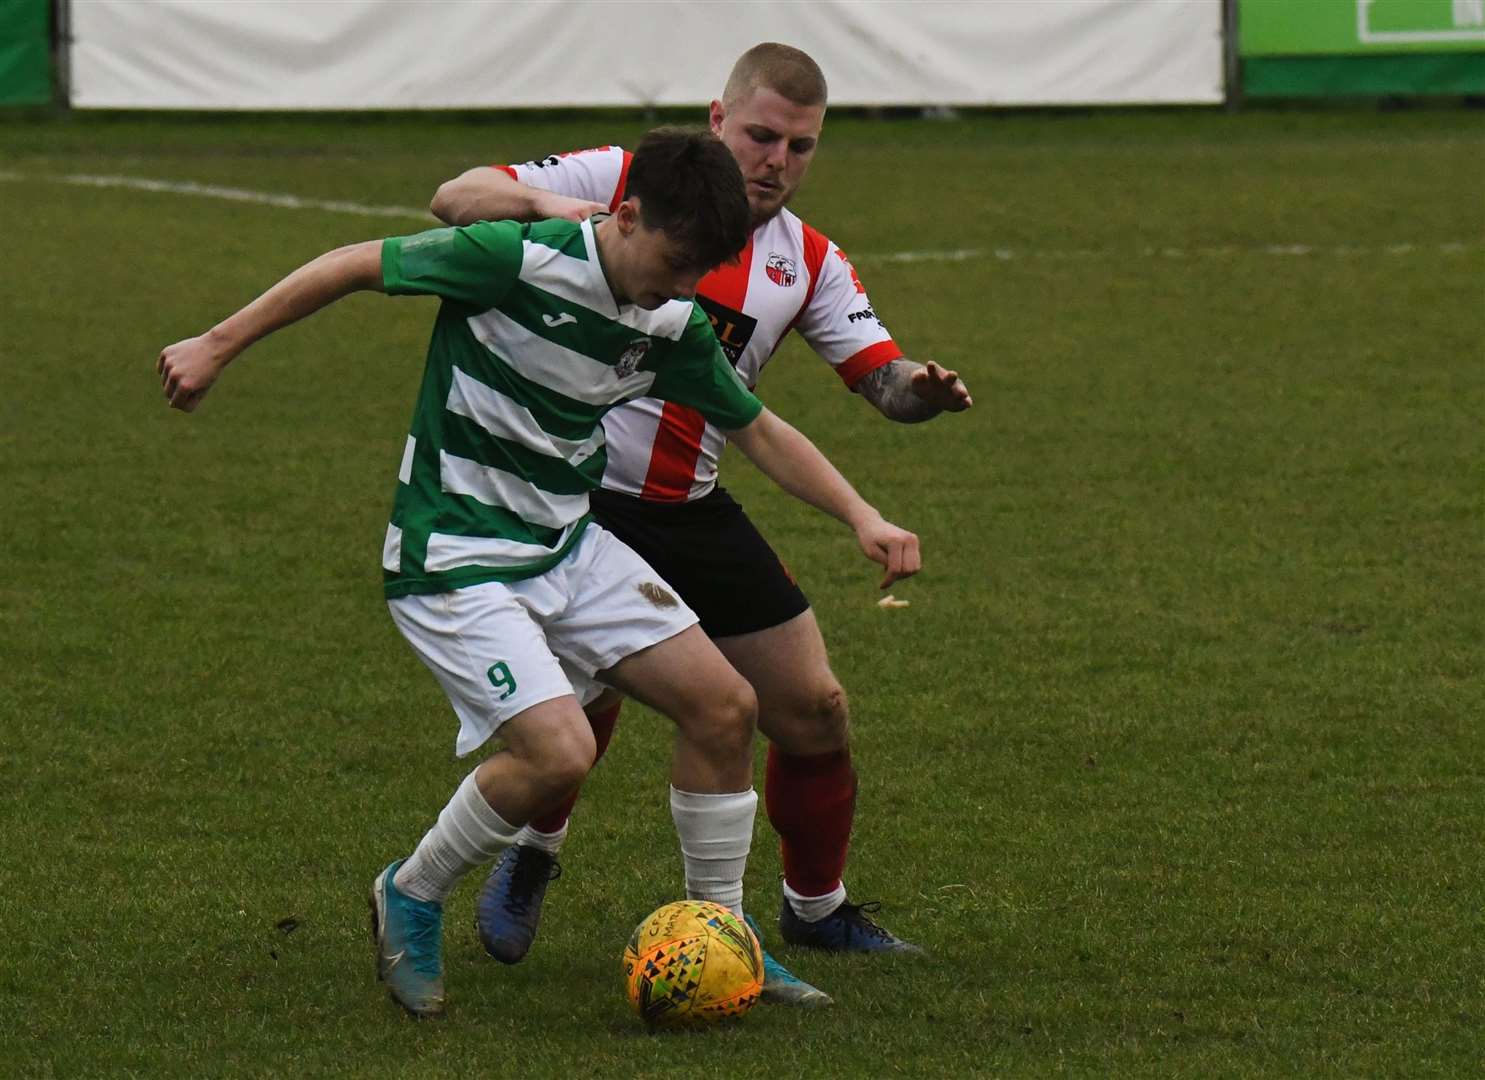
956 255
261 198
1226 251
1000 254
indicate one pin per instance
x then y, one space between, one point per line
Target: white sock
468 832
550 842
815 908
716 832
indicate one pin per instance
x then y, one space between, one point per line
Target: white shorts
501 647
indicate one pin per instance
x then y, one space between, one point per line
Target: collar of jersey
601 286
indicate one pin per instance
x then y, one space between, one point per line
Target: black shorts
711 554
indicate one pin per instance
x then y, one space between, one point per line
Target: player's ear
626 215
718 114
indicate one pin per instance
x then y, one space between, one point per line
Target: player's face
774 141
657 269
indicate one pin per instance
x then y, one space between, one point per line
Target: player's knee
816 721
567 755
831 715
731 717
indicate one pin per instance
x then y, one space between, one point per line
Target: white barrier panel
412 54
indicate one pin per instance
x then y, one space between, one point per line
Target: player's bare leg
810 786
714 709
548 749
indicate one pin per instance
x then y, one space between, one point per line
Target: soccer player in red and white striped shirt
661 493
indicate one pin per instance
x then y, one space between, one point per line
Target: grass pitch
1174 764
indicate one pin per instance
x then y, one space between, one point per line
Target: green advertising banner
1373 48
1359 27
25 52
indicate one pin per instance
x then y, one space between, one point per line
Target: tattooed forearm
890 389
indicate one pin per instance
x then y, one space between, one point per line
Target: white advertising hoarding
438 54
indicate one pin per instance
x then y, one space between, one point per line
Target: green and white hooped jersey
528 352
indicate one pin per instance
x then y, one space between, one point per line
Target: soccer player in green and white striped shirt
523 609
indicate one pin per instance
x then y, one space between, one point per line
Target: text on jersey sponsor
733 329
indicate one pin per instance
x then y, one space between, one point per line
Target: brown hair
689 186
787 71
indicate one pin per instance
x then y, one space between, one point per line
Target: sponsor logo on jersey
733 329
780 270
632 357
857 316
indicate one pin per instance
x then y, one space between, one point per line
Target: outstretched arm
486 193
910 393
188 368
793 462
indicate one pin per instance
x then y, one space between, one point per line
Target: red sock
811 802
603 731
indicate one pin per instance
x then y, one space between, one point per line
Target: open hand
941 387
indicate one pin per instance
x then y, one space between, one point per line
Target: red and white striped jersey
789 277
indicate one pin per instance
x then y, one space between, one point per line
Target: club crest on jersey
780 270
632 357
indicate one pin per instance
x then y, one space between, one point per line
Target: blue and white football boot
409 945
782 987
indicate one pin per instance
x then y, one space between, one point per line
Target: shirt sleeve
840 324
474 264
598 175
695 372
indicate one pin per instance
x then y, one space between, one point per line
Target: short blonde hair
787 71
